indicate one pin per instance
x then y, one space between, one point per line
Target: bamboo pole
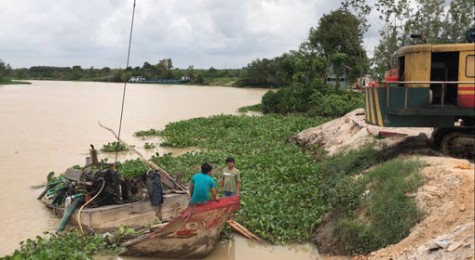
243 231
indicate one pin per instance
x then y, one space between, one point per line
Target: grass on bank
374 210
223 81
252 108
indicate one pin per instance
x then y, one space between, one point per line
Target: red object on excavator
391 76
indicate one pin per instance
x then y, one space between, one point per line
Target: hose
87 202
48 187
68 212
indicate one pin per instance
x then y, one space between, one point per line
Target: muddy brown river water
48 126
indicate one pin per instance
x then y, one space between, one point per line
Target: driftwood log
167 179
244 231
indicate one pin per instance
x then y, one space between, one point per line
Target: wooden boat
192 234
133 214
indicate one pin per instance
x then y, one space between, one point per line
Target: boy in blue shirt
201 185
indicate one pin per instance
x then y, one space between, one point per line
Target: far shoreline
15 82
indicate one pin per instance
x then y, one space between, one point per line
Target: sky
203 33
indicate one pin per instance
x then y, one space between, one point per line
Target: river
49 125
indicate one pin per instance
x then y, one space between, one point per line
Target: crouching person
202 184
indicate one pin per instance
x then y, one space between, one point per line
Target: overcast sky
202 33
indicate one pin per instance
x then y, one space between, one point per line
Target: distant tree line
162 70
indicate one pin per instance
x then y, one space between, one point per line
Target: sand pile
351 132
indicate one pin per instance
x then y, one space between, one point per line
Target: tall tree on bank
384 55
4 70
439 21
427 20
436 20
460 17
340 32
393 14
360 9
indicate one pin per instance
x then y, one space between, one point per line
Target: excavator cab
433 86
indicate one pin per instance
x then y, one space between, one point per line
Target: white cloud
203 33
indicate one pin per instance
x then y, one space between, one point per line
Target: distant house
331 79
137 79
185 78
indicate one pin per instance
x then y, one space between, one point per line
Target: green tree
340 32
460 17
164 68
430 18
392 14
4 70
384 54
190 72
20 73
212 73
360 9
258 72
427 20
148 70
314 62
77 72
338 61
200 79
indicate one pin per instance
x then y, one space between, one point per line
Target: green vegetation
68 245
147 133
374 210
223 81
253 108
5 78
286 190
275 174
149 146
7 81
338 38
132 168
114 147
315 100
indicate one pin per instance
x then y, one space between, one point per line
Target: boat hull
193 234
134 214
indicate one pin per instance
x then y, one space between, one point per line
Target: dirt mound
447 197
447 230
351 132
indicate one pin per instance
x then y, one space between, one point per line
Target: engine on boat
99 184
106 184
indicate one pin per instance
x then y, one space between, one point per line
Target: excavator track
458 145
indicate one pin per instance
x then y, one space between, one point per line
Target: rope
87 202
125 83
